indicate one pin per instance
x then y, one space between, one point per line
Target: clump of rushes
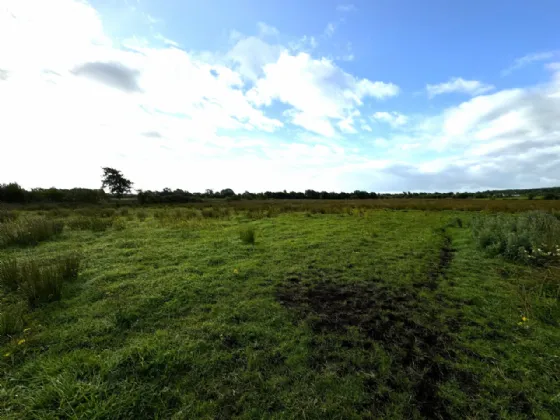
40 281
247 236
29 231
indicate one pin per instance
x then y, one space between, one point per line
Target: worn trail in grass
378 314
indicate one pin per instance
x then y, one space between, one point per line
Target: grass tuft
40 283
247 235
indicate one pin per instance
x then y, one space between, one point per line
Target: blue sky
262 95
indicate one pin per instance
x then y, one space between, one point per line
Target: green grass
358 314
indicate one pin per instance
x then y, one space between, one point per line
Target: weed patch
532 238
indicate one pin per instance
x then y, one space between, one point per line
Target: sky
263 95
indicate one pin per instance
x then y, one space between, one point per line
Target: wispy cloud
394 119
528 59
165 40
346 8
330 29
267 30
459 85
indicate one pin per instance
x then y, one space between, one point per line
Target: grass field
281 311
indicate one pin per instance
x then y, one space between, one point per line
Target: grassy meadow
314 309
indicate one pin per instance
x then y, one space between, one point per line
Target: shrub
11 319
29 231
247 236
532 237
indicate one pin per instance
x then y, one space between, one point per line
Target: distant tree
228 192
116 182
12 193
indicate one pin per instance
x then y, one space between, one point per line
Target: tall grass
7 215
11 319
532 237
9 274
29 231
93 223
39 280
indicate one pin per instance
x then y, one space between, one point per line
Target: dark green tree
116 182
228 192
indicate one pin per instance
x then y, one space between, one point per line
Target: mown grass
354 313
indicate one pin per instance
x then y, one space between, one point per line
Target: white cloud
251 54
528 59
346 8
267 30
78 102
458 85
317 90
165 116
394 119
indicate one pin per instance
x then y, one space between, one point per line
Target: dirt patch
446 253
421 348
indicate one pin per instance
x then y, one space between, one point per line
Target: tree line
120 187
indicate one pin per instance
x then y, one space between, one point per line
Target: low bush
29 231
247 236
532 237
